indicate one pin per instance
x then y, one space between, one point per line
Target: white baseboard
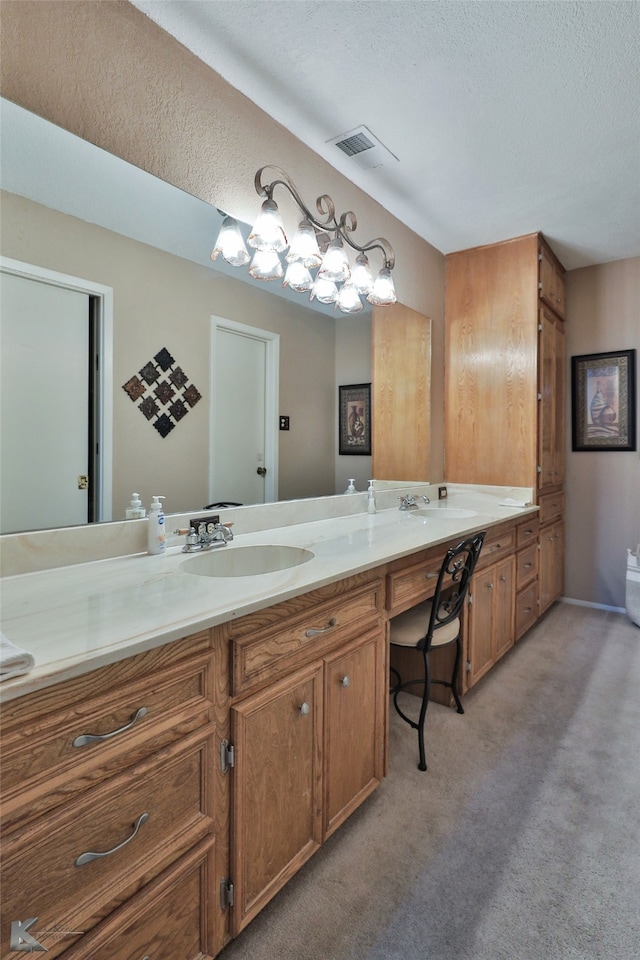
596 606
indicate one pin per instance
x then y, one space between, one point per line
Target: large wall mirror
71 209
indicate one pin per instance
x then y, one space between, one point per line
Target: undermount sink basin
246 561
446 513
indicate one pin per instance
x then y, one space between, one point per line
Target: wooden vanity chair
436 623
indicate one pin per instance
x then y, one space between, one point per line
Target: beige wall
164 301
603 488
105 72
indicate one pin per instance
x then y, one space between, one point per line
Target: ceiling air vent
363 148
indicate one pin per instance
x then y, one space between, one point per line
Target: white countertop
76 618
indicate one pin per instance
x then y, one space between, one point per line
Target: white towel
14 661
510 502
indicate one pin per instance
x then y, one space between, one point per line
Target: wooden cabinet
401 393
526 575
551 422
277 790
551 563
309 742
109 781
490 617
497 362
551 281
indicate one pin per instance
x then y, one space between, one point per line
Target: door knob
261 471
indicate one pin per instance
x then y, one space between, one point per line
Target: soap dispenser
371 498
155 530
352 486
135 511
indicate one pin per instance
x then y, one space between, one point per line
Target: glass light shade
324 290
298 277
230 244
268 230
383 293
335 264
266 265
361 275
304 246
348 300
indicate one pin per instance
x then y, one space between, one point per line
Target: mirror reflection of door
244 418
44 353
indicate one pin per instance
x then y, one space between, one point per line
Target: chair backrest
221 504
453 580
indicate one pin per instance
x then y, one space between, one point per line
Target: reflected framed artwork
603 412
355 419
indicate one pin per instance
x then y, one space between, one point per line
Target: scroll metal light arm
326 208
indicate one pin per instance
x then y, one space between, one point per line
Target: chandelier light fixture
319 244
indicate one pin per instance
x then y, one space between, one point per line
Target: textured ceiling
505 117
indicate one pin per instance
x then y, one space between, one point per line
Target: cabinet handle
502 578
430 576
527 609
86 738
304 709
527 565
345 681
489 586
314 631
88 857
496 546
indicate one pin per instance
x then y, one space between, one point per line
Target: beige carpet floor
521 841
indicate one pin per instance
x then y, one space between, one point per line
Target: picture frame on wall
603 410
354 419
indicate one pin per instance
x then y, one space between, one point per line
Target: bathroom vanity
186 742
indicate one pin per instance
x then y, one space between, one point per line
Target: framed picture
355 419
603 413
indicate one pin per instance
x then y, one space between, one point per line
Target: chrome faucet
206 537
408 502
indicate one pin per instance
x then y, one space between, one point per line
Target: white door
44 354
244 422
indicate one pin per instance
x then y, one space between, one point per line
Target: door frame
272 398
103 297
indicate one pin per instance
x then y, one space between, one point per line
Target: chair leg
422 765
454 677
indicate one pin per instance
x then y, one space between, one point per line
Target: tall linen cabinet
505 386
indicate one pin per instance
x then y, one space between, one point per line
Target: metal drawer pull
528 565
502 578
86 738
430 576
344 681
88 857
314 631
304 709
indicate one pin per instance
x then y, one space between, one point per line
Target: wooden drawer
47 761
526 565
42 874
414 582
497 544
296 640
171 919
527 532
551 506
526 608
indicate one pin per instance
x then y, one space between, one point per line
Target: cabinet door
481 648
354 725
277 788
551 564
551 420
504 606
551 282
